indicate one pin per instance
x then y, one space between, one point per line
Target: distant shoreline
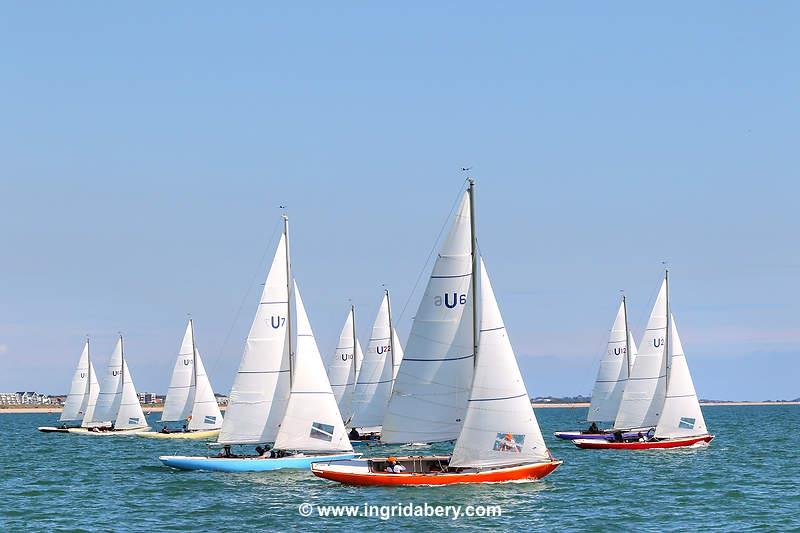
157 409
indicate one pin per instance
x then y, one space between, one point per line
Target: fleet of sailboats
118 411
457 381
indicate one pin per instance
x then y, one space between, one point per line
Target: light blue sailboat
280 395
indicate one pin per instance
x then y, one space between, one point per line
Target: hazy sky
145 149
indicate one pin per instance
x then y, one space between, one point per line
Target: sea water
748 479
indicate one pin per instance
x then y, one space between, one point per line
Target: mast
194 355
355 340
474 246
122 356
391 330
627 336
667 356
88 372
288 300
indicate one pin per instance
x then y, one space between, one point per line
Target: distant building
148 397
24 398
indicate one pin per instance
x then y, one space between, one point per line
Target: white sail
312 421
78 397
377 374
130 414
613 372
260 390
344 366
645 389
205 412
681 415
110 396
500 427
432 388
91 397
180 394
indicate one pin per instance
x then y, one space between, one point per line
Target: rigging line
433 249
215 363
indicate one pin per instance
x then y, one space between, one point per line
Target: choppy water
748 479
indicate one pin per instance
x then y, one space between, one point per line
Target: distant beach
157 409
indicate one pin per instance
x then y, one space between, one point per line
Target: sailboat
660 391
376 378
190 398
280 395
344 366
497 436
118 411
82 397
613 374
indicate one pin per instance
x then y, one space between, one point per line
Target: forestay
644 392
376 378
613 372
432 387
500 427
260 389
681 416
312 421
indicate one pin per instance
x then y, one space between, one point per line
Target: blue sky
145 151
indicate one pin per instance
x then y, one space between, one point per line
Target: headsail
78 398
344 366
130 414
312 421
376 378
644 392
432 388
613 372
205 412
681 415
260 390
91 397
500 427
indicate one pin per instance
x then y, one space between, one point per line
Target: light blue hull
249 464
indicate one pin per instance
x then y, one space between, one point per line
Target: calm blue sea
747 480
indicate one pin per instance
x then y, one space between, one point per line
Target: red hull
536 471
651 445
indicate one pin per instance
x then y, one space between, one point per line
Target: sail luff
75 403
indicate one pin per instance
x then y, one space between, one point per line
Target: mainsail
645 389
110 396
681 415
432 387
190 396
260 390
344 366
130 414
614 370
378 371
500 427
312 421
83 390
